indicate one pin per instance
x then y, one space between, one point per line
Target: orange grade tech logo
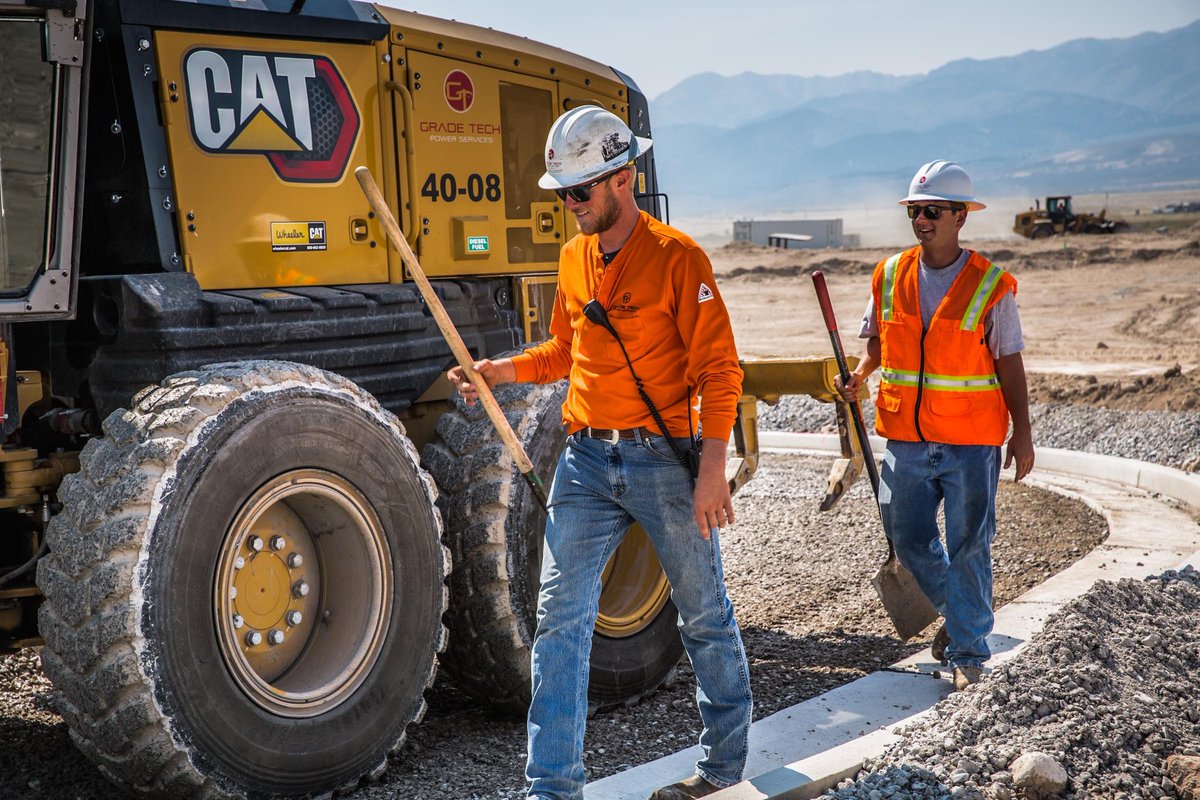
460 91
291 108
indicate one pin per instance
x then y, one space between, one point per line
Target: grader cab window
27 92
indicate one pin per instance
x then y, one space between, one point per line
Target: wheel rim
634 588
303 593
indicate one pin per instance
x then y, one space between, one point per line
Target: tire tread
90 616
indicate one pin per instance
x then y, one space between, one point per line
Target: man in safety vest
943 329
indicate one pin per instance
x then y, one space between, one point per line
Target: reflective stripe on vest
889 287
945 383
982 292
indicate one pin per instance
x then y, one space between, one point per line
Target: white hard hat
943 180
585 143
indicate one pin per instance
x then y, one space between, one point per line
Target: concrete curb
804 750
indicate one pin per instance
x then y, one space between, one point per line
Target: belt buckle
614 436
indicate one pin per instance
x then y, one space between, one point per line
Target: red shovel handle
818 279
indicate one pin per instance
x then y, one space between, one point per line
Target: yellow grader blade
769 379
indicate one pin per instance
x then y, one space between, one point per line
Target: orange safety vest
938 385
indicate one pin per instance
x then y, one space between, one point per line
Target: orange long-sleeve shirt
662 299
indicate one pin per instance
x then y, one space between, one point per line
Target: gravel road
799 579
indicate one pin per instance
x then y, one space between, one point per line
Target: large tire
1041 232
495 527
177 542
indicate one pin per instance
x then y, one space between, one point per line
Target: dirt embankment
1170 390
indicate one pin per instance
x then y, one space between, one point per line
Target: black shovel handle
818 279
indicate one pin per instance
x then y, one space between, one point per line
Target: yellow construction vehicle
1058 218
238 506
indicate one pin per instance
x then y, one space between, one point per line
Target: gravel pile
1104 694
1160 437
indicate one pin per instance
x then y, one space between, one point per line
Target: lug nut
294 617
255 543
254 638
300 589
241 562
232 592
278 543
295 560
238 621
275 636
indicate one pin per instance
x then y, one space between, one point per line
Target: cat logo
294 109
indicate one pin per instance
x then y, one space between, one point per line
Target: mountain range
1086 116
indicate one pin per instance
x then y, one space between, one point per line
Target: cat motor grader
239 508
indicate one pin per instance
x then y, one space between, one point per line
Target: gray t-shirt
1001 325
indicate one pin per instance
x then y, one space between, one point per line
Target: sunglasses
932 213
583 192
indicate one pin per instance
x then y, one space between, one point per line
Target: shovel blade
905 603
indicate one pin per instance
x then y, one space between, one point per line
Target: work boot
694 786
966 676
941 640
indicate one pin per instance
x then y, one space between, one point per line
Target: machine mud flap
905 603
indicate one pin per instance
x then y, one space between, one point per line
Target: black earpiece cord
690 461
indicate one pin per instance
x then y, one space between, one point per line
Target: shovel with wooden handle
905 603
457 346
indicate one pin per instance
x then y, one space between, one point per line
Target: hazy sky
661 43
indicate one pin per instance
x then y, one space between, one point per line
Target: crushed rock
1159 437
1107 689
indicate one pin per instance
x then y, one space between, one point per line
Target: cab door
477 134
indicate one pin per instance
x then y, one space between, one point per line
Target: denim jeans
957 578
599 490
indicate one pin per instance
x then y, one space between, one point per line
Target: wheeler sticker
459 91
294 109
477 244
290 237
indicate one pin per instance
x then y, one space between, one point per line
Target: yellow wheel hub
634 588
303 593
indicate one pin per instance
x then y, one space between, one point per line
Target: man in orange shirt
656 288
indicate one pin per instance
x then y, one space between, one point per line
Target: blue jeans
957 578
599 490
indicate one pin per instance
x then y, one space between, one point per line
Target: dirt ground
1111 320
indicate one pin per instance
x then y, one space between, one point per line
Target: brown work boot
941 640
694 786
966 676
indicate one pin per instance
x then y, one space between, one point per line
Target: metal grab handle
406 102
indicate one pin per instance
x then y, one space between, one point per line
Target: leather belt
613 435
